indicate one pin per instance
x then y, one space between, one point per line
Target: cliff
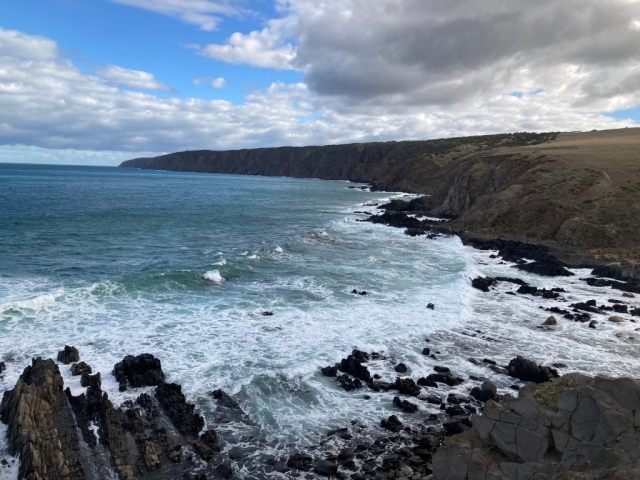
579 194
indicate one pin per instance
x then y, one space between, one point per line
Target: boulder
628 295
392 424
68 355
616 319
326 468
487 391
401 368
142 371
80 368
300 461
353 366
405 405
431 306
529 371
483 283
406 386
551 321
593 324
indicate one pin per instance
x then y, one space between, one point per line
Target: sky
101 81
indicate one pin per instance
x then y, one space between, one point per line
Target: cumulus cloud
203 13
131 78
47 102
219 82
260 48
439 52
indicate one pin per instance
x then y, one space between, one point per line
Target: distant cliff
407 166
576 193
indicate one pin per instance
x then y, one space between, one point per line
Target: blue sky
97 81
94 33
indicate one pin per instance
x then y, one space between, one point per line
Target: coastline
335 455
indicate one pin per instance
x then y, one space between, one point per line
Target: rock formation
576 426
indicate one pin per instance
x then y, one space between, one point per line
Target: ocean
183 266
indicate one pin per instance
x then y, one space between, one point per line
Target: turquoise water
119 261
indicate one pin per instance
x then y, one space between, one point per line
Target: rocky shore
550 426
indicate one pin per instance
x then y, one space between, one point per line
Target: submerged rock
405 405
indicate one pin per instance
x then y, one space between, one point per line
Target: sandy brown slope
579 194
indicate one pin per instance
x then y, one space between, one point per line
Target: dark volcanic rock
353 366
348 383
529 371
447 378
407 386
483 283
68 355
3 367
488 391
300 461
142 371
405 405
392 423
80 368
326 468
401 368
181 413
545 269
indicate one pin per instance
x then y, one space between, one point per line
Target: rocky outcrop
59 436
68 355
41 425
142 371
576 426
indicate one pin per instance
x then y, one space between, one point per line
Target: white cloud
265 48
131 78
203 13
47 102
29 154
218 83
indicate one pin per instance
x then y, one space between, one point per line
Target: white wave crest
35 303
214 276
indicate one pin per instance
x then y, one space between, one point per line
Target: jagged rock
353 366
40 425
142 371
483 283
326 468
330 371
401 368
405 405
86 379
181 413
447 378
545 269
392 424
68 355
207 445
300 461
573 427
347 383
529 371
407 386
488 391
80 368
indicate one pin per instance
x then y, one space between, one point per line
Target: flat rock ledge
575 427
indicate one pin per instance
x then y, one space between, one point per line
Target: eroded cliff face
513 186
